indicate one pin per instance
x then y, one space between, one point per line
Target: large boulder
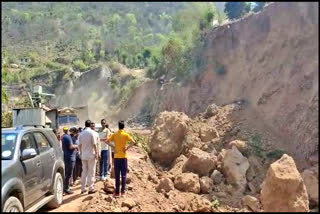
234 167
200 162
165 184
206 184
187 182
208 133
283 189
166 141
311 181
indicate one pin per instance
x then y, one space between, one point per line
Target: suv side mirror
28 153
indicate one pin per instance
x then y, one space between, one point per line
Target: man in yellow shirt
120 139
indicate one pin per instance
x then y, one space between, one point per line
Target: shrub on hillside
79 65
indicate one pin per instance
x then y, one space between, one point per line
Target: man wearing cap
69 154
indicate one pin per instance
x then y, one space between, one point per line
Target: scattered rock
200 205
211 110
165 184
109 198
283 189
153 178
312 184
128 202
208 133
217 177
252 188
128 178
124 209
251 202
241 145
187 182
235 166
130 187
200 162
178 165
167 136
109 186
205 184
117 210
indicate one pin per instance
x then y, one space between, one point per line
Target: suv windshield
8 144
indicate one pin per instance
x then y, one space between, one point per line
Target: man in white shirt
96 135
89 156
104 132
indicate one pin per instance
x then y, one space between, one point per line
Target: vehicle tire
57 192
12 204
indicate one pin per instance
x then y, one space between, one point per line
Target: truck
55 118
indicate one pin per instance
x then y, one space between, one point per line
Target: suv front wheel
12 204
57 192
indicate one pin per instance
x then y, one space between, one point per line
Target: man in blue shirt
69 153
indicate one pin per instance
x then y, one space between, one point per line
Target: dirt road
74 202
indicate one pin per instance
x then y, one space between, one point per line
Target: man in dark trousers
69 153
74 133
120 139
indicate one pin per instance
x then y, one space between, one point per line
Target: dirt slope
271 62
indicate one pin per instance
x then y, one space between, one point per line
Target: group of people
83 148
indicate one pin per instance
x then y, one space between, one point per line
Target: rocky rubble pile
197 160
192 168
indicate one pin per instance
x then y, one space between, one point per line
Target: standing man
120 139
78 165
96 135
69 159
89 155
104 133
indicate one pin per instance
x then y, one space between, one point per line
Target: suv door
32 170
48 158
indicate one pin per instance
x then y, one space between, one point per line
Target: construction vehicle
40 114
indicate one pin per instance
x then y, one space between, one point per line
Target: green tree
236 10
4 95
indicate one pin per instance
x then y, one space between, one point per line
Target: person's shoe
123 194
82 192
104 178
92 191
68 192
115 195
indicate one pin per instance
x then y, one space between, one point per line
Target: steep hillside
270 61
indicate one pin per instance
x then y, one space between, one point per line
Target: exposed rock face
200 162
205 184
312 184
187 182
217 177
167 136
283 189
165 184
235 166
251 202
